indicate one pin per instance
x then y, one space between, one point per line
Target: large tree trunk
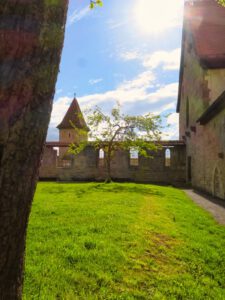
31 39
108 174
108 166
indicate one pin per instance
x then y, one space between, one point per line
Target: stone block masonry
88 165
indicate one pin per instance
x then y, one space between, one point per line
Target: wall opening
57 150
134 157
101 157
167 158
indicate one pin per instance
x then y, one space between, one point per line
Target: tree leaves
111 132
222 2
93 4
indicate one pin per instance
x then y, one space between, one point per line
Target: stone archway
218 189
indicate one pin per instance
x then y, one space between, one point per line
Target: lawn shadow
124 188
87 188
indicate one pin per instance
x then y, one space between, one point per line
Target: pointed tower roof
73 115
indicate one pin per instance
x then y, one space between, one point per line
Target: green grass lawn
122 241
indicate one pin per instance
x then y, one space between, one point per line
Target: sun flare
155 16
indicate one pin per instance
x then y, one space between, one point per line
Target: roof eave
216 62
214 109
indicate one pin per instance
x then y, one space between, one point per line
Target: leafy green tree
222 2
120 131
93 4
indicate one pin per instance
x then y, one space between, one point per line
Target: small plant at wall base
119 131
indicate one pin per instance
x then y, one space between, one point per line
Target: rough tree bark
108 164
31 39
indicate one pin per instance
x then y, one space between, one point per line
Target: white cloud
59 91
95 81
78 15
59 109
141 81
136 93
112 24
168 60
173 119
172 132
135 99
166 91
129 55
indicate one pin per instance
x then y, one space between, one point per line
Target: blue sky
127 51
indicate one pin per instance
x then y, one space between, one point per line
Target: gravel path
214 206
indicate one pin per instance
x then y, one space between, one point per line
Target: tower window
134 157
167 158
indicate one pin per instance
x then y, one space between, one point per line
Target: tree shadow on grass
116 188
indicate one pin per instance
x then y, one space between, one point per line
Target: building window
57 150
134 157
187 112
167 158
101 157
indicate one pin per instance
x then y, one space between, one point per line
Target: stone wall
206 148
48 167
195 92
215 80
88 166
205 144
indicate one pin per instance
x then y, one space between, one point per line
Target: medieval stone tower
73 128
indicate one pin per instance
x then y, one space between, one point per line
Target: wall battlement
88 165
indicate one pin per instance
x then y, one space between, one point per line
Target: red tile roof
206 21
73 116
